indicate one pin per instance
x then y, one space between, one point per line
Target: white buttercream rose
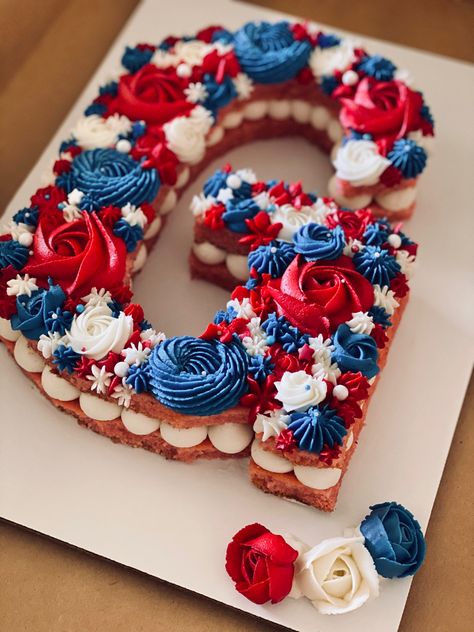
293 219
95 332
338 575
299 391
186 135
94 131
359 162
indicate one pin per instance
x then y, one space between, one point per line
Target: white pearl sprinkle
340 392
233 181
395 240
273 250
183 70
121 369
203 372
350 78
123 146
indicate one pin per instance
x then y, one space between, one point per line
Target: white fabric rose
299 391
95 332
186 135
94 131
338 575
326 61
359 162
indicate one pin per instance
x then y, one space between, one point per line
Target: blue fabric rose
269 53
33 311
355 352
316 242
394 540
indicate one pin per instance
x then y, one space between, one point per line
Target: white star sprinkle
21 285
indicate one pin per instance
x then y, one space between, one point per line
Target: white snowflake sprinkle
135 354
100 379
243 85
123 394
243 309
196 92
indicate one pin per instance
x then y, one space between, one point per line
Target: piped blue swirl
317 427
237 211
355 352
376 264
272 259
316 242
269 53
198 377
407 156
108 177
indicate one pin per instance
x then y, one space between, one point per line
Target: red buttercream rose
317 296
353 223
261 564
152 94
78 255
382 108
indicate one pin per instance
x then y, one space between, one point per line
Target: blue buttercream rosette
394 539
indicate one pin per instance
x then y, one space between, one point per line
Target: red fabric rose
78 255
261 564
318 296
152 94
382 108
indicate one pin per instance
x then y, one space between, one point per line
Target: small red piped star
328 455
213 217
83 366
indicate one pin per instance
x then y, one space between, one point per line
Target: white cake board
173 520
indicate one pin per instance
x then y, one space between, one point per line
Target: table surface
46 586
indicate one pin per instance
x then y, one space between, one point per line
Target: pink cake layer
287 485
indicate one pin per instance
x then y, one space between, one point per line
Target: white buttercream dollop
299 391
338 575
57 387
95 332
269 460
271 423
186 135
385 297
361 323
326 61
93 131
230 438
359 162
